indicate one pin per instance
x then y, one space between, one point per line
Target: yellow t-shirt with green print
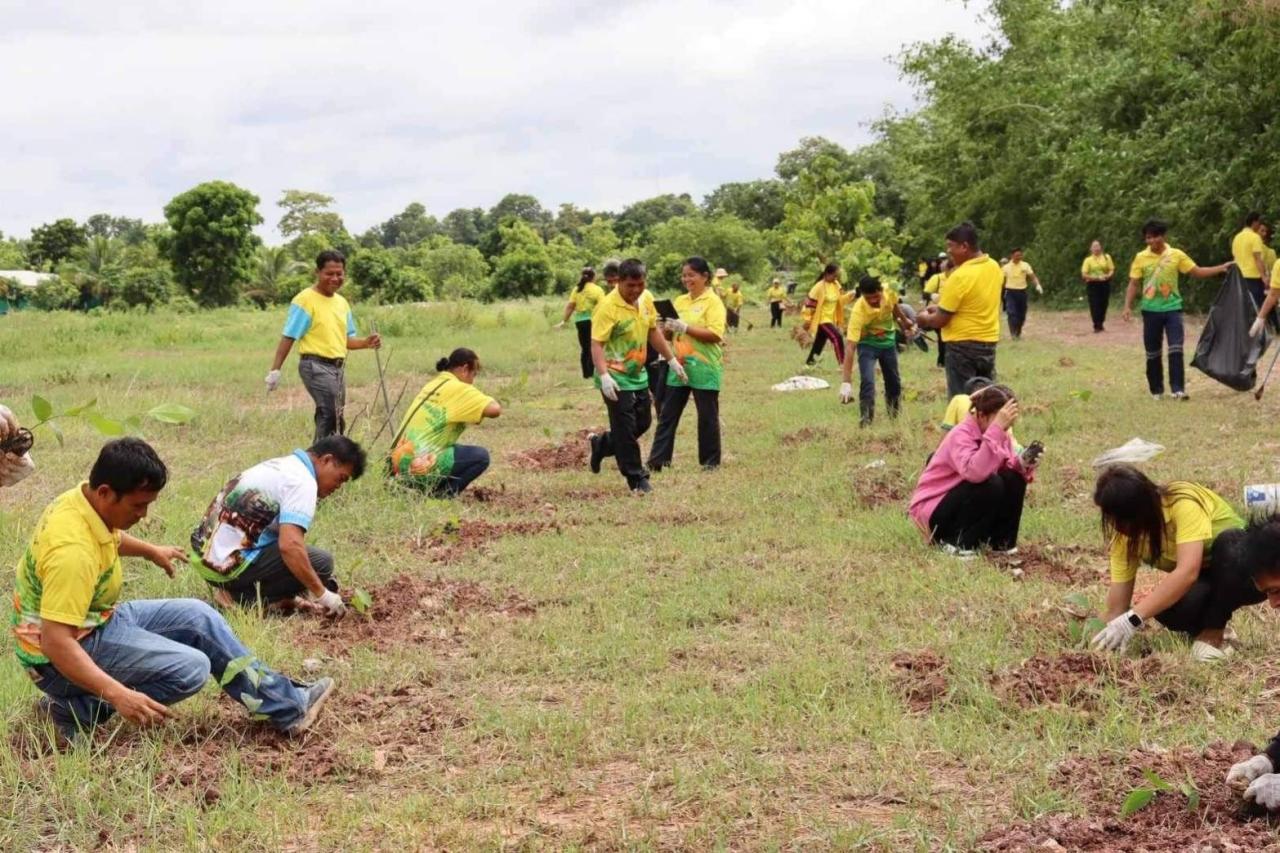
1100 266
874 326
1158 275
623 330
703 362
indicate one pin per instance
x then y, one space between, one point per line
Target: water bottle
1262 499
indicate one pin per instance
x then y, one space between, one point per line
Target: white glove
1039 290
675 327
846 392
1265 791
1116 635
609 387
8 423
677 367
15 468
560 325
330 602
1241 774
272 380
1256 328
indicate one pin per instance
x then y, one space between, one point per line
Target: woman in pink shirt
970 493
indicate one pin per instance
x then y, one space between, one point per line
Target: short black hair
1154 228
611 268
344 450
698 264
330 256
1017 249
632 268
128 465
964 233
869 284
1262 546
1254 216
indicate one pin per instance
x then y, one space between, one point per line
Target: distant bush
147 288
55 294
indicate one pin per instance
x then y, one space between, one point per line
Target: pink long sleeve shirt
966 455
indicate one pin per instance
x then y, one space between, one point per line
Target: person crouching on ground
93 657
971 492
251 544
1186 531
874 321
623 327
425 453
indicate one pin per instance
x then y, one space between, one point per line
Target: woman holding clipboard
698 329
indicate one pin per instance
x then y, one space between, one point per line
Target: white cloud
118 107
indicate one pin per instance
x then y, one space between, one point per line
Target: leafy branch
47 416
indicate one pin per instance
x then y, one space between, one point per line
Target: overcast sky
116 107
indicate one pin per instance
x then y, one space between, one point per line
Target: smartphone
1031 454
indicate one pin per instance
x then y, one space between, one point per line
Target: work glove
1244 772
8 423
1116 635
560 325
846 392
1256 328
272 380
677 367
609 387
1265 791
675 326
1039 290
15 468
330 602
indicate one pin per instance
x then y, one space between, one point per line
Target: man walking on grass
321 322
1016 273
623 326
251 545
1250 255
93 657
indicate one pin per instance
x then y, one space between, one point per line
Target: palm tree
271 268
95 267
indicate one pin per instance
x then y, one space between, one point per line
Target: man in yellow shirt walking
1016 273
1250 255
321 322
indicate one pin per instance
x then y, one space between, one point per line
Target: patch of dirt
415 610
573 452
498 497
880 491
1073 678
1066 361
1220 822
805 435
886 445
454 540
921 678
1067 564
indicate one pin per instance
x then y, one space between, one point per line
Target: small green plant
165 413
1141 797
362 601
1084 625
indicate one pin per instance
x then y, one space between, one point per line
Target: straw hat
721 273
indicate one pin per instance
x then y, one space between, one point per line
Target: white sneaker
1180 395
1229 635
1205 653
953 551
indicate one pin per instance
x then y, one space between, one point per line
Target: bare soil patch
1066 564
921 678
499 497
880 490
1220 821
1074 678
573 452
1075 329
454 540
805 435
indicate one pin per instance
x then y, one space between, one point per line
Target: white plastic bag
1133 451
802 383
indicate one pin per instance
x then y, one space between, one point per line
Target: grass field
761 657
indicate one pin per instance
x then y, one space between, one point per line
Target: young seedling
166 413
1141 797
362 602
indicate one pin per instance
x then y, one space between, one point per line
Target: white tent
27 278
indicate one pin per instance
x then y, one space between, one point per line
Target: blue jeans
887 357
167 649
469 462
1156 326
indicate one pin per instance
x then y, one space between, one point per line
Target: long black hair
829 269
699 265
588 275
461 357
1133 506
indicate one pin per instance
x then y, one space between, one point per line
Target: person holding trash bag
581 303
1192 535
1097 271
1155 272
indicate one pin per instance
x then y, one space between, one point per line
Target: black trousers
269 578
657 370
584 347
731 318
664 440
1099 293
629 418
1223 587
775 314
988 514
1015 305
825 331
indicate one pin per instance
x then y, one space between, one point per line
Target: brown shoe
317 695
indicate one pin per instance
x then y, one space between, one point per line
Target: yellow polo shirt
1015 275
1243 247
320 324
585 300
1099 266
776 293
1192 513
623 330
972 297
876 325
733 300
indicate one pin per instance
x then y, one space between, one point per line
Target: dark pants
326 383
268 579
731 318
988 514
629 418
1258 291
1223 586
942 351
1099 293
1015 305
657 370
584 346
1156 327
967 359
887 358
825 331
664 440
775 314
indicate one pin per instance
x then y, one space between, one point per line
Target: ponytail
461 357
829 269
588 275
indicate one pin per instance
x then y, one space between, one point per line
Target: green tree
374 271
759 203
465 225
212 245
409 227
307 213
276 276
525 267
599 241
637 220
725 241
453 271
130 231
53 243
55 294
144 286
12 255
95 268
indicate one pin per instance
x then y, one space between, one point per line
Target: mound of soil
573 452
1076 678
454 540
1220 821
879 491
921 678
805 435
1067 564
414 610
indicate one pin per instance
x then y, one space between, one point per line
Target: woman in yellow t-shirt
777 296
1097 271
824 314
582 301
1186 531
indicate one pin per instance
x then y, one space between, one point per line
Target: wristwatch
1134 619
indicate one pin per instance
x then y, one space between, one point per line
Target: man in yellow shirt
1016 273
321 321
874 321
968 311
777 296
1249 253
91 655
733 305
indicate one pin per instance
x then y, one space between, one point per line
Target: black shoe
641 487
597 452
655 467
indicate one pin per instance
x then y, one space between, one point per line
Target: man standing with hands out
623 326
321 322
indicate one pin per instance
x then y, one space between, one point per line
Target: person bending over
874 321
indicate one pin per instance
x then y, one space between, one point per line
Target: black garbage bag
1225 351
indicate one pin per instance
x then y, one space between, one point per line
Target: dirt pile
455 539
573 452
1074 565
1075 678
921 678
880 489
804 435
1213 818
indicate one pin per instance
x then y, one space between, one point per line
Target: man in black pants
623 327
